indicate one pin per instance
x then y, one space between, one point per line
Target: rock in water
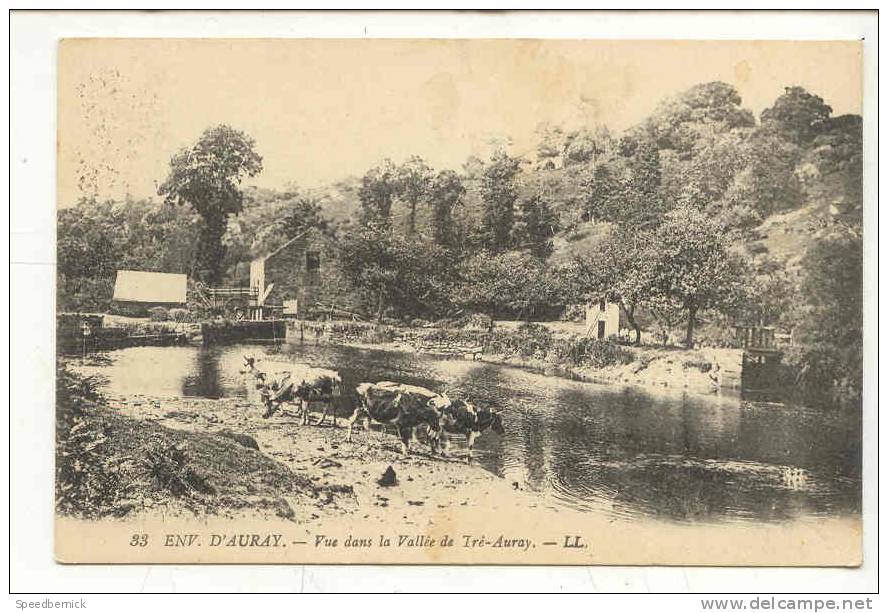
242 439
388 478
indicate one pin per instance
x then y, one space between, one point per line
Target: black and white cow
461 417
405 406
298 384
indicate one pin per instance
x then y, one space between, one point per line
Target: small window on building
601 305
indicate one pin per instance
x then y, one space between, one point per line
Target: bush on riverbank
158 313
533 341
343 331
91 479
823 374
592 352
108 464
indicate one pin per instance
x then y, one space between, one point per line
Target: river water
619 450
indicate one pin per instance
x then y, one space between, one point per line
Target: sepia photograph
459 301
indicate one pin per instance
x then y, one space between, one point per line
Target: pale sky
321 110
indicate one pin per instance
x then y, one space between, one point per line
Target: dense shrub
168 465
530 340
179 315
513 285
584 351
90 481
84 295
824 374
159 313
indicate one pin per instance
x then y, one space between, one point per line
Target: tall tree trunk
692 321
380 306
629 310
210 251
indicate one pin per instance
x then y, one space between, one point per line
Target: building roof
152 287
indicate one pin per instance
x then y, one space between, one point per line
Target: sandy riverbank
308 496
333 477
696 371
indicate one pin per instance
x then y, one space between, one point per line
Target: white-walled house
603 319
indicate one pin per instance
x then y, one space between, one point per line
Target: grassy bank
113 464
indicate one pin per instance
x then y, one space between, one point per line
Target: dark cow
281 382
461 417
405 406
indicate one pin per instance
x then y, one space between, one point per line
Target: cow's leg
324 414
270 409
305 411
470 441
359 412
434 439
405 432
433 446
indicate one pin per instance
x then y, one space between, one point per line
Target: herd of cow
410 408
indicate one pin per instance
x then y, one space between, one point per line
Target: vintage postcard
469 301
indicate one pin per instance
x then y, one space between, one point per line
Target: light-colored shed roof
138 286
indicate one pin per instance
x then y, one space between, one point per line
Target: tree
445 193
586 145
368 258
772 296
413 184
767 182
389 270
829 339
799 115
687 261
703 179
95 239
498 194
535 227
616 269
305 213
89 244
678 122
833 288
624 188
514 284
379 188
207 176
837 153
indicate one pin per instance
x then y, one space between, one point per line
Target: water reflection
620 450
